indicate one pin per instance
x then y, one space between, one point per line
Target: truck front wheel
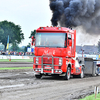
68 74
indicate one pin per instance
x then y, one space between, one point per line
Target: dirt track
22 85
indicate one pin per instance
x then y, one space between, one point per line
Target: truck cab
55 53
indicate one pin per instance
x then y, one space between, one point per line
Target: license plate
47 66
47 69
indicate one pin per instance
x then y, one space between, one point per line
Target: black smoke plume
74 13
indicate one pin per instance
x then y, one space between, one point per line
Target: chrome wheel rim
68 73
82 74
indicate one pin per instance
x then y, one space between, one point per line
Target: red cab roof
54 29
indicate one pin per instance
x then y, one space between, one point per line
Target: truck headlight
60 61
37 60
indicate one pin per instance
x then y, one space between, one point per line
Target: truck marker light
56 71
37 60
60 61
36 70
39 70
60 71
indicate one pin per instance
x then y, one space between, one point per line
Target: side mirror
33 39
70 42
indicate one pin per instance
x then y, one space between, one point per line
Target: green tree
1 34
33 33
14 32
14 46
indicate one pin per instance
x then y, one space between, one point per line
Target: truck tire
82 74
38 76
95 70
68 74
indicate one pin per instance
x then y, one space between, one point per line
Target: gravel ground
22 85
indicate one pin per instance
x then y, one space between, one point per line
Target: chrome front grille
47 60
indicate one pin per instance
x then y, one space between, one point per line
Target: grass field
12 68
92 97
16 60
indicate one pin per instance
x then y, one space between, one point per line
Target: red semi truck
55 53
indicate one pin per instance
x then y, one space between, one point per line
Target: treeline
15 34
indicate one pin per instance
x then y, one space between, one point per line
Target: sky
31 14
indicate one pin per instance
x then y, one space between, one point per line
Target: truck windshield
50 40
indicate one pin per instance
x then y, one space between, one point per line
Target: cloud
29 14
